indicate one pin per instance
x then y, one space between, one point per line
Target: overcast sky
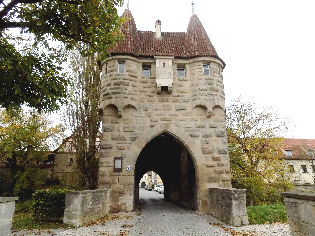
268 47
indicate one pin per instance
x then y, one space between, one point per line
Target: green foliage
84 117
28 182
25 221
93 22
24 139
267 214
30 77
33 76
23 206
255 152
49 204
6 183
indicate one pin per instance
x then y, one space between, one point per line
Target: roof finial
128 5
192 7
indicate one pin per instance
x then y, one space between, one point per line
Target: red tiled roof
195 42
299 147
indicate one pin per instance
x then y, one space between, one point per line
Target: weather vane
192 7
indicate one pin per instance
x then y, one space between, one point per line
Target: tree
255 151
24 139
84 117
33 77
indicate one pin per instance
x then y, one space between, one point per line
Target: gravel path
158 217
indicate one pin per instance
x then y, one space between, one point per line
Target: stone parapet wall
7 206
82 207
300 208
228 205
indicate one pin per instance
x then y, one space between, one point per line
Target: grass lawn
22 219
267 214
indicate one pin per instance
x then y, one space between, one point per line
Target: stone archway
169 157
186 142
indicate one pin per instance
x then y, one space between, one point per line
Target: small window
106 68
163 64
181 72
70 161
206 69
291 168
146 70
288 153
310 153
313 167
121 67
304 169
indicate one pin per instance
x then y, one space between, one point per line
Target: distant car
156 187
161 189
149 188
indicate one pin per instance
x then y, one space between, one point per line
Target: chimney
158 29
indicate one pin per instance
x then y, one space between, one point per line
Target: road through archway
168 156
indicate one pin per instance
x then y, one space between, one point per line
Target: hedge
48 204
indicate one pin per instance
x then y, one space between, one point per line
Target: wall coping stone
87 191
300 195
8 199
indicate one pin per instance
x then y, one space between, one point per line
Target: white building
300 160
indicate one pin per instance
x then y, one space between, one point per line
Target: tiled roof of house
299 147
195 42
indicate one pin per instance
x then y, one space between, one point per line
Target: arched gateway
164 110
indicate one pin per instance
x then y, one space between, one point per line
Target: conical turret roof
129 30
195 42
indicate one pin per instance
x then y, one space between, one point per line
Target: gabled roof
193 43
299 147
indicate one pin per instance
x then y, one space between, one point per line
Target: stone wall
82 207
300 208
67 172
134 113
228 205
7 206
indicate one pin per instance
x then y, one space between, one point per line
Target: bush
50 182
49 204
23 206
28 182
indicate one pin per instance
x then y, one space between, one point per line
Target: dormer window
181 71
146 70
288 153
121 67
206 69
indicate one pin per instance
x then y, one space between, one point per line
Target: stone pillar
228 205
7 206
82 207
300 208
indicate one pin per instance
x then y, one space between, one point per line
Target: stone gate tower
163 109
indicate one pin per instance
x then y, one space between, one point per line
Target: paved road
160 217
